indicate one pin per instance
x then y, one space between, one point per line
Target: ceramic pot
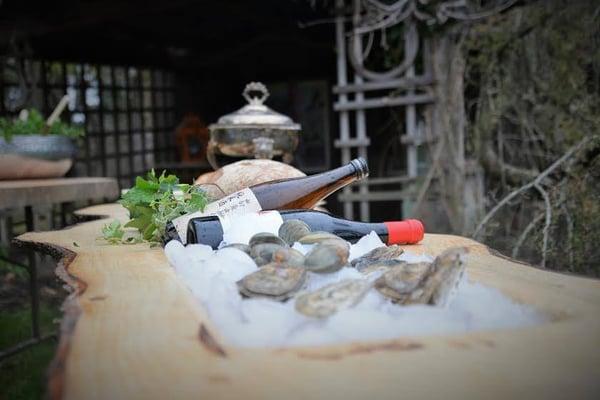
36 156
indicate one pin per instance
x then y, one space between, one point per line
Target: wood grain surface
132 330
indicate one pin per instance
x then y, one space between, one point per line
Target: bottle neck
361 168
354 230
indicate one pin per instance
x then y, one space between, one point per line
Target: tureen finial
255 87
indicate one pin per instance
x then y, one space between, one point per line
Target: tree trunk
460 180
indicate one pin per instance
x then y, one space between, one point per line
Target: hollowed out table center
132 330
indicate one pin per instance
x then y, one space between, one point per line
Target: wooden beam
388 101
402 83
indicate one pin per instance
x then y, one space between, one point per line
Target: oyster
292 230
330 298
377 255
263 253
423 283
317 237
266 237
288 256
406 278
448 268
403 283
240 246
381 266
273 281
327 256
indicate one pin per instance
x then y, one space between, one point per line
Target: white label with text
237 203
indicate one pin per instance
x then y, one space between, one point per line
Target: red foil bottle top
410 231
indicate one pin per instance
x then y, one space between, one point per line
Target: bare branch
450 10
525 233
569 237
531 184
496 165
546 223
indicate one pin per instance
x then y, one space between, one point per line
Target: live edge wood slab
132 330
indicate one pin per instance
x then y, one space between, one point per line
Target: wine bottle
282 194
306 192
208 230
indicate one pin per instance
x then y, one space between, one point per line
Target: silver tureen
254 130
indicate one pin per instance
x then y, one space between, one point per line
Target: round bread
245 173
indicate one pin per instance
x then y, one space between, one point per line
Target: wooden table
132 330
30 193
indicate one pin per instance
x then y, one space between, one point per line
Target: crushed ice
211 276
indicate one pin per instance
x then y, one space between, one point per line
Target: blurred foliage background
532 88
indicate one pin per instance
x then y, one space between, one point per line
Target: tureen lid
255 114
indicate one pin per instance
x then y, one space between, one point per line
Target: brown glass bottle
306 192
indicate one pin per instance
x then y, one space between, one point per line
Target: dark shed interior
161 60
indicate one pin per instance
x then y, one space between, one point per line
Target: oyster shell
263 253
292 230
327 256
240 246
266 237
329 299
377 255
424 283
274 281
406 278
316 237
288 256
448 268
381 266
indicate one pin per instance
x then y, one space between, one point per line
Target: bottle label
237 203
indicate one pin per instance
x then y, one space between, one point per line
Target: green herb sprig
114 233
155 201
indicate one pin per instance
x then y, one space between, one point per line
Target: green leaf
148 185
197 202
136 196
114 233
142 217
113 230
149 232
151 176
168 179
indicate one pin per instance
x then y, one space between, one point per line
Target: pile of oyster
283 272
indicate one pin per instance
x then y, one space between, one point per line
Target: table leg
5 229
33 279
64 209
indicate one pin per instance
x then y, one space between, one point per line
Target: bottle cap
410 231
361 167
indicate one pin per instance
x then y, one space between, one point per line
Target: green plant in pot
31 147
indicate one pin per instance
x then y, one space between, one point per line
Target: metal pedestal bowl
237 134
